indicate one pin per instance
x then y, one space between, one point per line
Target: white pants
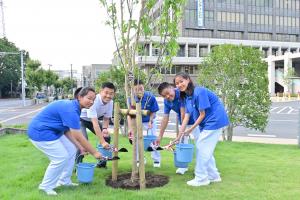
61 153
205 161
155 155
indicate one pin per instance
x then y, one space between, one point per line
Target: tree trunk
229 132
224 135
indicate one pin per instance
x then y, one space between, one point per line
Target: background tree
239 76
68 84
35 76
50 79
10 67
287 78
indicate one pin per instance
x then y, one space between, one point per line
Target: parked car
40 95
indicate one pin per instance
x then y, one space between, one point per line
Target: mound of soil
124 181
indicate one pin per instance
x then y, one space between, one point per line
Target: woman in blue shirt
172 101
210 117
56 132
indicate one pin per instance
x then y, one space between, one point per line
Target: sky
60 32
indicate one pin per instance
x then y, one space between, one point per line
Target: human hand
105 145
97 155
157 141
105 132
82 151
150 125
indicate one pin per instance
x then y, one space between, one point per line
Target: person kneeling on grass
172 101
210 116
89 118
56 132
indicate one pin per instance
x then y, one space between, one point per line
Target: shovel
109 159
153 147
114 149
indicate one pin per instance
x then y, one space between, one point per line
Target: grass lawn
249 171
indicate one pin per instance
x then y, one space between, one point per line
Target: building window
203 51
230 34
259 36
209 15
192 51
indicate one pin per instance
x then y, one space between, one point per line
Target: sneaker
215 180
197 183
181 170
49 192
156 164
67 185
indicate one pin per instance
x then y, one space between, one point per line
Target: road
283 118
12 111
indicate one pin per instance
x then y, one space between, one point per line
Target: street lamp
22 71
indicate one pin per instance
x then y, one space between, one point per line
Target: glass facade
275 20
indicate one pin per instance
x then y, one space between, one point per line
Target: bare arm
99 133
105 126
77 135
163 126
183 125
197 122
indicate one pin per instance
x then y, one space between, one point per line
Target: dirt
124 181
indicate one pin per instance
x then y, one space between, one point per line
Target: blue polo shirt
148 102
205 100
175 105
57 118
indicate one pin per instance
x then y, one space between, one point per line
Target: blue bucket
148 139
180 164
104 152
85 172
184 152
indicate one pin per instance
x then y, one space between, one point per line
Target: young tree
239 76
129 28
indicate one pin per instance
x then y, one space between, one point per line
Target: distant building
91 72
272 26
68 74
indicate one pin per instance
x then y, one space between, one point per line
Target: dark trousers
89 125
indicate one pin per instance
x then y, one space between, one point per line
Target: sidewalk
251 139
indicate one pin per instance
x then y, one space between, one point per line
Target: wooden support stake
114 175
134 172
133 112
140 141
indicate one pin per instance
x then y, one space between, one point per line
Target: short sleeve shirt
175 105
148 102
98 109
205 100
54 120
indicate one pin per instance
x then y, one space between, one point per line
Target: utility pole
72 79
23 81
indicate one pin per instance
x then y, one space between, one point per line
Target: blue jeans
205 162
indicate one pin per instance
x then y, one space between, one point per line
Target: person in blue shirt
210 117
172 101
56 132
148 102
